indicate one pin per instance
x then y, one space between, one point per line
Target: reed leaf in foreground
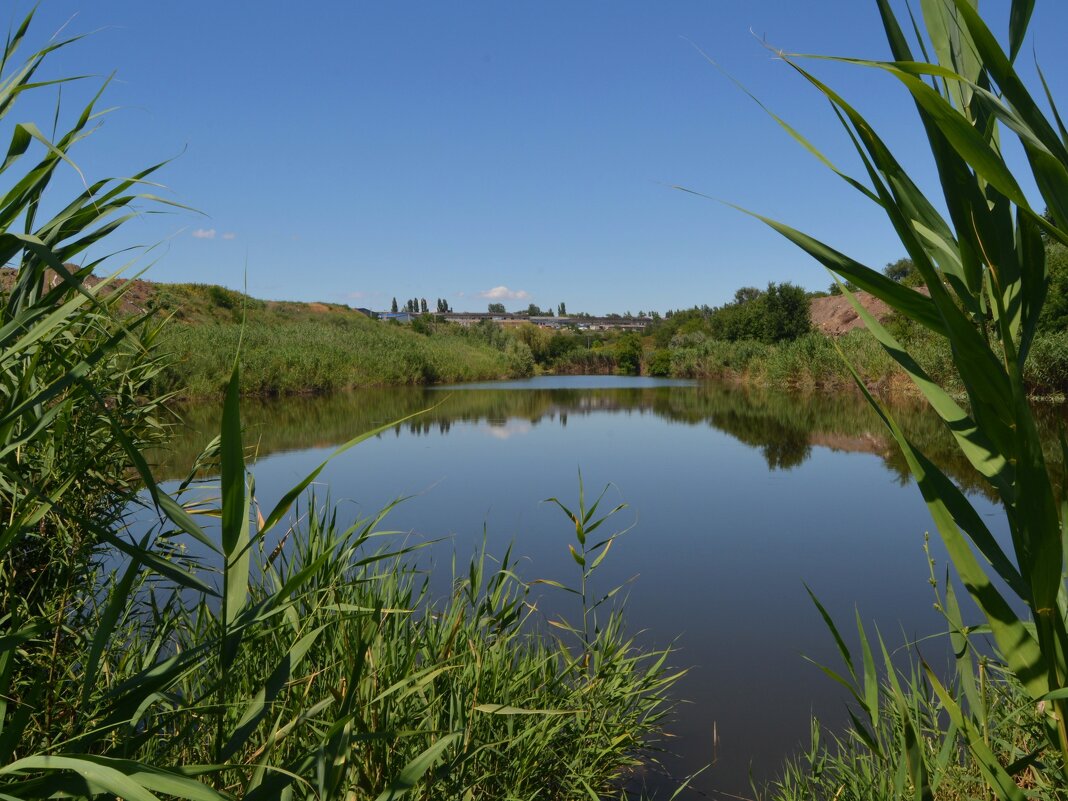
985 274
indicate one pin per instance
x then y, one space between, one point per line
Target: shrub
659 363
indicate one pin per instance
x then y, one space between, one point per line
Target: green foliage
1055 313
778 314
786 313
299 660
495 308
836 289
900 270
596 361
904 272
986 274
812 361
471 694
536 339
1046 371
899 748
679 323
659 363
204 303
628 353
288 349
520 359
65 468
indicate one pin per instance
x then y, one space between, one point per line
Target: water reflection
784 427
739 499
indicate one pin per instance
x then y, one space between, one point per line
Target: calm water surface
737 500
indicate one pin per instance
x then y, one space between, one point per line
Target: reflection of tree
786 453
782 426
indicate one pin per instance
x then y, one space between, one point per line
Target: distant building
400 317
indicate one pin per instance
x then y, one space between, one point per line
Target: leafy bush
659 363
628 352
1046 371
520 359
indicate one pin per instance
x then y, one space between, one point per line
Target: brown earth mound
835 315
136 296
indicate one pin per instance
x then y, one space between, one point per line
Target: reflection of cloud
512 428
504 293
204 233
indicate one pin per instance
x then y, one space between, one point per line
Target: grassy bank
294 348
315 348
815 361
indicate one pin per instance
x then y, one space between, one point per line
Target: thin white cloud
356 295
504 293
229 235
204 233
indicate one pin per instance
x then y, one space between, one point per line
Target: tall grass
814 361
294 657
284 357
985 270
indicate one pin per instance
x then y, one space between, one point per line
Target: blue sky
356 151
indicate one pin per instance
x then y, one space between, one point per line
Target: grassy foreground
197 643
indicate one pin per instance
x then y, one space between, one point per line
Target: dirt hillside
834 315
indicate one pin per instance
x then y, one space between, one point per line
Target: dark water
737 500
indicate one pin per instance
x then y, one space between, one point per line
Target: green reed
293 657
986 278
337 352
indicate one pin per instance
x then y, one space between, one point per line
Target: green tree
786 313
561 310
496 308
746 294
904 272
393 307
628 350
835 289
779 313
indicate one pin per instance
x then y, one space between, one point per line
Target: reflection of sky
721 549
509 429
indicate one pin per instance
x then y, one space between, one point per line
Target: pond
736 500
